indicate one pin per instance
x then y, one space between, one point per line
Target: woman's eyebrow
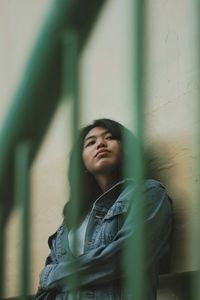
95 136
90 137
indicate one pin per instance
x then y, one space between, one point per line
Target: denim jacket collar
103 205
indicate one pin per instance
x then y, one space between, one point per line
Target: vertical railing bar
138 164
134 255
22 164
70 88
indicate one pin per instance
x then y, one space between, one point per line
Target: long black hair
82 183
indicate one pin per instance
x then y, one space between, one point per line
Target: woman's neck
105 182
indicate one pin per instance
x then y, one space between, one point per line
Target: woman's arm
102 265
51 260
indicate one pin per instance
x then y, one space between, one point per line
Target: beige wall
106 91
170 93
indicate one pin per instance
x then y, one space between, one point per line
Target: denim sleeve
101 265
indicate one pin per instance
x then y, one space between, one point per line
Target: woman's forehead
95 132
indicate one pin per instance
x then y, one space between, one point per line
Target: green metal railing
44 81
71 78
135 250
52 72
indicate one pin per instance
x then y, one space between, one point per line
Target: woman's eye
109 137
89 143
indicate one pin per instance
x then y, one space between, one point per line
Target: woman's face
101 152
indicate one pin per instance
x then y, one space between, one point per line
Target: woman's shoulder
154 190
147 184
153 183
156 193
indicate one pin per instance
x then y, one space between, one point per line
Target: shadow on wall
171 162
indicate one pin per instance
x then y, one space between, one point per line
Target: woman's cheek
87 158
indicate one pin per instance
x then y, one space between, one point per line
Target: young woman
107 205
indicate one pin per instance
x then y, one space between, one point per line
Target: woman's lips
101 152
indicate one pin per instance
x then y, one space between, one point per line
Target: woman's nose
101 143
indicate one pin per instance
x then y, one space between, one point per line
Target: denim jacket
111 225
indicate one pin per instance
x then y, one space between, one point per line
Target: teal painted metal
22 165
37 96
41 85
71 46
135 252
72 40
39 90
35 99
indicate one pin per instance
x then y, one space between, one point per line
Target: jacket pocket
113 221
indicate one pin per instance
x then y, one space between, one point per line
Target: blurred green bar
70 92
22 164
71 80
134 254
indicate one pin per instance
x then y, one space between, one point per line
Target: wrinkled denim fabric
110 227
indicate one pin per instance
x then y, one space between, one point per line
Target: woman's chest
104 225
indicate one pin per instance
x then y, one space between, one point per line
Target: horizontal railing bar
39 90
